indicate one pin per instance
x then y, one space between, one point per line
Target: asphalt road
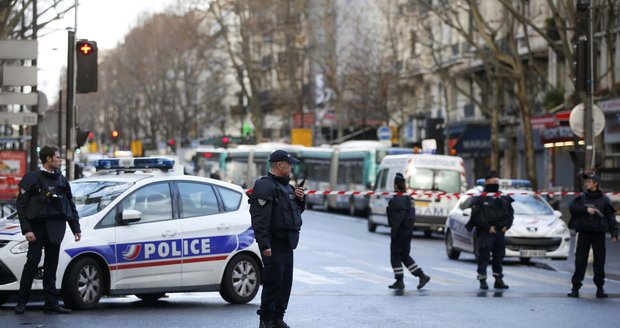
341 277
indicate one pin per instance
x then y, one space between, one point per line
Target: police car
537 230
148 232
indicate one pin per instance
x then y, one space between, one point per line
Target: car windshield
438 180
93 196
530 205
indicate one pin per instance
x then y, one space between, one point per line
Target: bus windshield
437 180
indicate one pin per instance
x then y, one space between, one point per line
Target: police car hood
10 228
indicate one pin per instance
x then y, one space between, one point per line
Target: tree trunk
526 113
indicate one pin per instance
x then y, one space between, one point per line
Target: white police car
537 230
147 233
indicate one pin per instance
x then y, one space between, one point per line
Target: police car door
149 251
210 230
378 203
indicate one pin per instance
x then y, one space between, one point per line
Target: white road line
312 279
360 275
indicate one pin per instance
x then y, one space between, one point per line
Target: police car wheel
241 280
83 285
151 297
452 253
4 296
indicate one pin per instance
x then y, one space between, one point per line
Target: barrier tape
426 194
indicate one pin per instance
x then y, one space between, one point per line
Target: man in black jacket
401 218
592 216
276 219
44 206
492 215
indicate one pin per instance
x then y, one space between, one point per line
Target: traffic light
115 135
81 137
172 144
225 141
581 65
87 67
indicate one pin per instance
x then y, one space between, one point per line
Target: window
230 198
153 201
93 196
382 176
197 199
439 180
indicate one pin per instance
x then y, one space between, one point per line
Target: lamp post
585 9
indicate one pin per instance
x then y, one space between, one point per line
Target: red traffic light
115 134
171 142
225 140
85 48
91 136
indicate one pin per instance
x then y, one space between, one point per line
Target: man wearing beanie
492 215
401 218
592 216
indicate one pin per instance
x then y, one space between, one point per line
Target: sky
104 21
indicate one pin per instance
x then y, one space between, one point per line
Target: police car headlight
560 231
20 248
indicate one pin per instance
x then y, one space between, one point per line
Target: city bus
208 161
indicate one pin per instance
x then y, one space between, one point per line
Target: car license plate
533 253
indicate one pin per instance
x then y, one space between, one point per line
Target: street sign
576 120
18 49
14 98
384 133
18 118
18 75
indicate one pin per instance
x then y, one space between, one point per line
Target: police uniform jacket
276 212
488 211
47 196
400 214
603 221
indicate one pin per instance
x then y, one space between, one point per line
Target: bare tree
16 21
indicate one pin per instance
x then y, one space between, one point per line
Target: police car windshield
93 196
530 205
437 180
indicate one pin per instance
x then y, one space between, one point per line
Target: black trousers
277 282
400 247
585 239
491 243
50 264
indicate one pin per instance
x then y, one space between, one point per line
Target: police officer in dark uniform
592 216
44 206
492 216
276 209
401 218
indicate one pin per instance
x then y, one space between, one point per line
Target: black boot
20 308
574 292
398 284
483 284
499 283
265 323
600 292
424 279
279 323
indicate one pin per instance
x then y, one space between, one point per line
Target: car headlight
561 230
20 248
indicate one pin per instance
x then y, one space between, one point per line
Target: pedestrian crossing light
87 67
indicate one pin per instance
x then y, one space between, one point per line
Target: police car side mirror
130 216
467 212
557 213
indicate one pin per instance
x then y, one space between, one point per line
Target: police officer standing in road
276 219
401 218
492 216
44 206
592 216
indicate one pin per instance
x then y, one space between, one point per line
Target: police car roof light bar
510 183
164 164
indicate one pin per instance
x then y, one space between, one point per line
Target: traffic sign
576 120
18 118
384 133
19 49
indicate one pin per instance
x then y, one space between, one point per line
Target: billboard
12 169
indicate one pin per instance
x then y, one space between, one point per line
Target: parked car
537 231
148 232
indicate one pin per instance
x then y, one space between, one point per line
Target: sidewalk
612 263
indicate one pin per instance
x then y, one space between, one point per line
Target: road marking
312 279
360 275
328 254
471 274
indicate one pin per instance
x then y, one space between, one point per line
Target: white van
424 173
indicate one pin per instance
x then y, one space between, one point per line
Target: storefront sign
12 168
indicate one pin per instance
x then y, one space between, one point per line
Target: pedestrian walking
592 216
492 215
44 207
401 218
276 207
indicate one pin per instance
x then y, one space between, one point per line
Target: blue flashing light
510 183
134 163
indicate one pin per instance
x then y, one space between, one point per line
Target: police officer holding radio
592 216
44 206
276 219
492 216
